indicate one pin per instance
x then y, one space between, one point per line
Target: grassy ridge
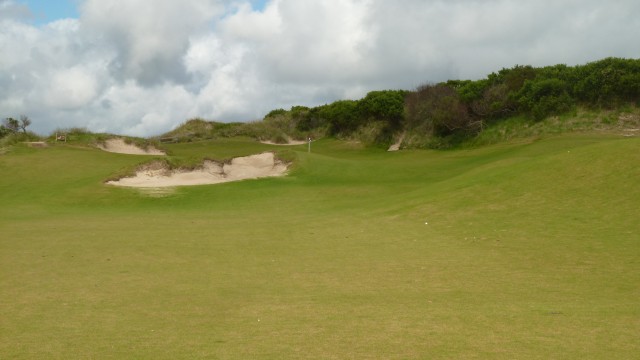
530 251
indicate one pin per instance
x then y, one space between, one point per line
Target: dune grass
524 250
624 121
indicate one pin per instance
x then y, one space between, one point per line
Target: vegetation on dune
448 113
273 128
13 131
11 125
83 136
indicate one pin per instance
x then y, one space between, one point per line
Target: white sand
248 167
121 147
36 144
396 146
291 142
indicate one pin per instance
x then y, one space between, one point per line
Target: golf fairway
515 251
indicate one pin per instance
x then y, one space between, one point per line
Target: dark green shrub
542 98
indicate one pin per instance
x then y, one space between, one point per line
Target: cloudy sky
142 67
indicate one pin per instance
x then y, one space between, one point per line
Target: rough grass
622 121
278 130
525 250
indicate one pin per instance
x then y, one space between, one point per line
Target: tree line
463 108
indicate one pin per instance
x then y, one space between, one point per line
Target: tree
24 123
11 124
308 119
437 110
496 101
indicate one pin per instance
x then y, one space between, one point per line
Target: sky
143 67
44 11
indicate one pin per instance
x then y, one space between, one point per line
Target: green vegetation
274 128
14 131
11 125
373 119
455 112
521 250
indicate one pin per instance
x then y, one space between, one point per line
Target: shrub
274 113
386 106
542 98
18 137
437 110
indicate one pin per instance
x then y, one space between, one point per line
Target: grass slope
531 251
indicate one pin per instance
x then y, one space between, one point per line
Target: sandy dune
248 167
121 147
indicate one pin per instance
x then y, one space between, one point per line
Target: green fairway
526 250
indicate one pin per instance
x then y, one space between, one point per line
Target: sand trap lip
121 147
36 144
241 168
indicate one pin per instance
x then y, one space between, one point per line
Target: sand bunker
249 167
36 144
290 142
396 146
121 147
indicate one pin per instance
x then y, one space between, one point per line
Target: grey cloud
149 38
13 11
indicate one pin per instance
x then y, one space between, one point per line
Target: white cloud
312 41
143 110
71 88
142 67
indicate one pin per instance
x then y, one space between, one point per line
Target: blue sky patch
46 11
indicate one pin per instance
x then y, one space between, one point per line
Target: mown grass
523 250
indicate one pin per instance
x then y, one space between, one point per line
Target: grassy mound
278 130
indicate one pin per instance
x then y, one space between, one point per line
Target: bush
542 98
18 137
386 106
608 82
274 113
437 110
